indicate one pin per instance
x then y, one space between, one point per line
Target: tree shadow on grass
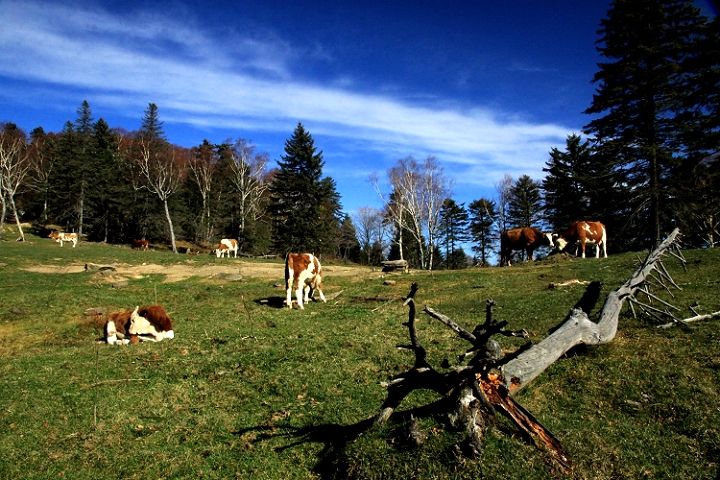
335 438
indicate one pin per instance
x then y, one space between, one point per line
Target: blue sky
486 87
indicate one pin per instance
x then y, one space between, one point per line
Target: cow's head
548 239
560 242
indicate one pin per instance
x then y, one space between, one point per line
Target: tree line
645 163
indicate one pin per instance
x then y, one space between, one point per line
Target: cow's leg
288 290
322 297
299 296
582 248
306 293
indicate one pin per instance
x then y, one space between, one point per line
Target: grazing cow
226 246
304 270
141 244
524 238
61 237
130 326
583 233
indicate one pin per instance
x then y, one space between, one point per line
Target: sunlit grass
245 387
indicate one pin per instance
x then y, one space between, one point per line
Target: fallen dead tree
484 380
579 329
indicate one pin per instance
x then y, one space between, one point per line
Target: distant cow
144 323
303 270
226 246
141 244
61 237
524 238
583 233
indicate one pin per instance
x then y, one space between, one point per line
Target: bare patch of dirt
183 271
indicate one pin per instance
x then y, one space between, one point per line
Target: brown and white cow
523 238
226 246
303 270
144 323
582 233
141 244
61 237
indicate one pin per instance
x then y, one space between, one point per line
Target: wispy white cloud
123 61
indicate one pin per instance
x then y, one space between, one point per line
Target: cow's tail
288 269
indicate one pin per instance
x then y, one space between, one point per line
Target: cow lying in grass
303 270
226 246
61 237
144 323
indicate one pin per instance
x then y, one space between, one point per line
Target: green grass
246 390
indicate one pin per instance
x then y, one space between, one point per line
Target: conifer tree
108 199
483 217
349 246
525 202
304 207
453 231
83 164
640 86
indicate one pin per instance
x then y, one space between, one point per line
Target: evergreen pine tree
62 204
453 231
577 174
304 207
639 88
483 217
349 246
525 202
108 200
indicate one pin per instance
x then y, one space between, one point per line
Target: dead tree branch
696 318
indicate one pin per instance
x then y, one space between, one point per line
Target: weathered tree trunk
17 219
3 211
170 225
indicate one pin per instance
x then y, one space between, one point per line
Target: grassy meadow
248 389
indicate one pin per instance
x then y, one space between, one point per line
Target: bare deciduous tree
162 169
369 228
202 164
14 166
248 173
503 189
42 162
418 191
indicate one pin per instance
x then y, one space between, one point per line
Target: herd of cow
303 271
528 239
